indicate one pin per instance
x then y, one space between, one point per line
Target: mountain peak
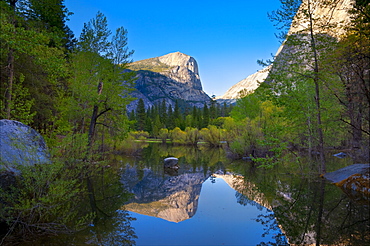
171 77
180 59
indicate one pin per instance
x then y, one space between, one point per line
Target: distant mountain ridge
171 77
249 84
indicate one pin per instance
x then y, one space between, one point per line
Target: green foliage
245 136
213 135
99 86
177 136
44 200
130 146
141 135
247 106
31 64
192 135
21 103
163 134
140 115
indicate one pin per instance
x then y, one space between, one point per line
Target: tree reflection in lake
204 207
309 210
212 200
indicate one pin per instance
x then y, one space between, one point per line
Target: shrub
140 135
192 136
177 136
163 134
213 135
43 200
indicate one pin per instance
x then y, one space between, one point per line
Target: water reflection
310 210
219 220
173 198
211 200
209 205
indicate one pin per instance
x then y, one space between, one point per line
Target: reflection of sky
219 220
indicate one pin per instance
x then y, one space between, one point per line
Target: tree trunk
10 68
320 145
92 126
9 91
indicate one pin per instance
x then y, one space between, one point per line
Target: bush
247 135
192 135
130 146
43 199
178 136
213 135
140 135
163 134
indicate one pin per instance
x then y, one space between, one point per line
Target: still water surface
219 220
211 200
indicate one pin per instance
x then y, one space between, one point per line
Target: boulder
171 162
20 145
354 178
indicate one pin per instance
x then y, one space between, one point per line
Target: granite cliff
336 15
248 84
171 77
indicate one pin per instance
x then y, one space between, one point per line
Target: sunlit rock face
173 198
245 188
337 15
170 77
246 85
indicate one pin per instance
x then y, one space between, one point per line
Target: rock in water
340 155
352 178
171 162
20 145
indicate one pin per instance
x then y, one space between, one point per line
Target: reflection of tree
243 200
320 214
309 210
111 226
115 230
271 227
267 220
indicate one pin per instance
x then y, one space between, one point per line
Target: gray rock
20 145
171 162
354 180
344 173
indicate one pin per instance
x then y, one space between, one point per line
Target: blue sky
225 37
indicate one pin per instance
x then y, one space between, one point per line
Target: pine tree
205 118
140 115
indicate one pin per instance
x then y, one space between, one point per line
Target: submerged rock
20 145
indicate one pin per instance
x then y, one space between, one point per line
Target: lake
211 200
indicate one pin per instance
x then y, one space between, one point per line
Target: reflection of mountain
245 188
173 198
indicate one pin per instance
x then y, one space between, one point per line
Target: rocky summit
171 77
